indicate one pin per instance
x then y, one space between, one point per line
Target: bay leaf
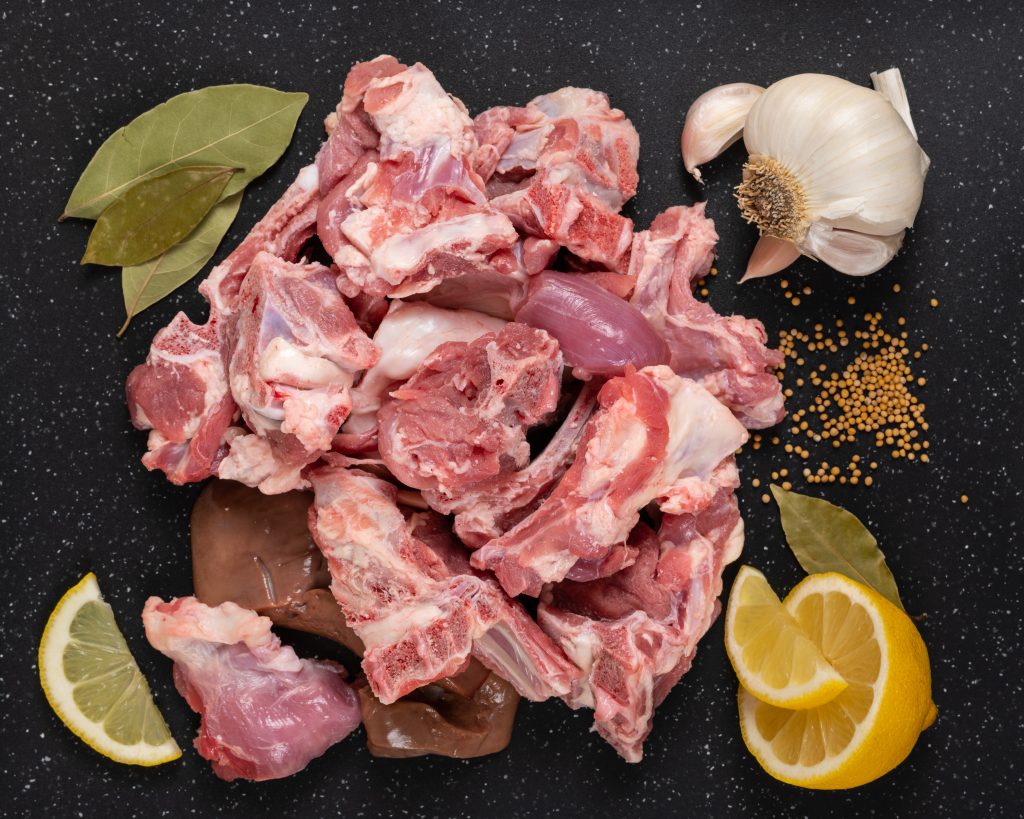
154 215
147 283
240 126
826 538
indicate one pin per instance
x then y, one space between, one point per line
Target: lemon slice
870 727
92 682
774 659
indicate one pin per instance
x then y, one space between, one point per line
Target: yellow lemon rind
58 689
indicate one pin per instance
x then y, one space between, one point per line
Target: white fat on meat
417 112
409 333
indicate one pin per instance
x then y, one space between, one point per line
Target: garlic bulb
834 170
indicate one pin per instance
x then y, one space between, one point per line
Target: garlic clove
771 255
849 252
714 122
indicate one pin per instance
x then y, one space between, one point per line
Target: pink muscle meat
415 213
487 510
566 171
181 392
634 634
413 599
298 351
462 417
656 436
728 354
408 334
597 331
265 712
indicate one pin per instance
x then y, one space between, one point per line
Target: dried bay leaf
826 538
147 283
154 215
239 126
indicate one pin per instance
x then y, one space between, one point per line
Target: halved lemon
93 683
870 727
773 657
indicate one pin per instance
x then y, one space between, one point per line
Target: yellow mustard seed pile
872 397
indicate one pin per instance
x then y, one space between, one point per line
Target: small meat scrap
656 436
265 712
727 354
635 634
413 599
462 417
298 352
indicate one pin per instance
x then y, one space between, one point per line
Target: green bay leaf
145 284
239 126
826 538
154 215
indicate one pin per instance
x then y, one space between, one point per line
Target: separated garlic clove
849 252
714 122
770 256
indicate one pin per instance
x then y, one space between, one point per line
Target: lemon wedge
773 657
93 683
871 726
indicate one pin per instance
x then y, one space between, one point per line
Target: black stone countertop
74 497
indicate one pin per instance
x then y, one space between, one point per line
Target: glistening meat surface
415 602
265 713
656 436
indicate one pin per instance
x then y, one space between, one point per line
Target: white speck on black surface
74 497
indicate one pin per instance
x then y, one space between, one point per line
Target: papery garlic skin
834 170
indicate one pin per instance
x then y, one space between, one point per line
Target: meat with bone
181 392
572 163
487 510
462 417
728 354
417 606
409 333
298 351
417 213
634 634
265 712
656 436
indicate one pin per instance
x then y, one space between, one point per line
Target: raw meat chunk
462 417
409 333
656 437
181 392
413 599
727 354
298 351
634 634
265 713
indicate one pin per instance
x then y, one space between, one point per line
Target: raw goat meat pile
494 386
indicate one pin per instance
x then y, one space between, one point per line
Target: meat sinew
265 713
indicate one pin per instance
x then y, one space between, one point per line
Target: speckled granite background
74 496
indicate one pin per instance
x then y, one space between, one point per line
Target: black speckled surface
74 496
